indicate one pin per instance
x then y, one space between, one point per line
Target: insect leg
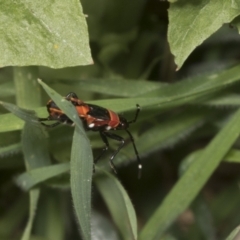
103 150
48 125
137 155
71 95
117 138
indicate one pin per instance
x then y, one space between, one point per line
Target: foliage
187 133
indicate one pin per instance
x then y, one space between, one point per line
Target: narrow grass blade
165 97
34 196
233 155
24 114
81 165
192 181
235 234
64 105
115 87
35 155
81 169
119 204
33 177
10 150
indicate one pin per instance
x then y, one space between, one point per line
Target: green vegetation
117 54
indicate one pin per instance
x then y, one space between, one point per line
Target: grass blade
118 203
192 181
81 169
81 165
33 177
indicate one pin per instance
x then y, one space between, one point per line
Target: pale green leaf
190 23
49 33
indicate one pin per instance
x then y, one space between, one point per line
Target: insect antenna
136 115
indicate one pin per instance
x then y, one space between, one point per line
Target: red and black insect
95 118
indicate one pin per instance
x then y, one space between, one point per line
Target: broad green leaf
49 33
192 23
235 4
81 165
33 177
192 181
119 204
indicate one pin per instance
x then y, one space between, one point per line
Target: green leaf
35 155
192 181
115 87
81 165
10 150
164 97
81 169
119 204
34 196
192 23
33 177
229 100
232 156
49 33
